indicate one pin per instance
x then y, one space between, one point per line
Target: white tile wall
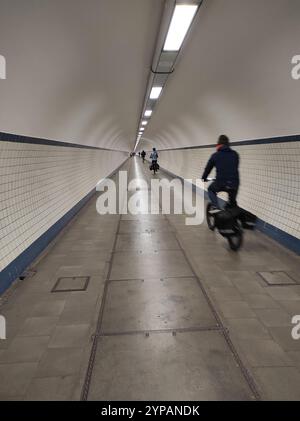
39 184
270 179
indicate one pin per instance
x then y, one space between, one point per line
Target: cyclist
143 154
226 162
154 157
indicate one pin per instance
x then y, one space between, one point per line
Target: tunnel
149 200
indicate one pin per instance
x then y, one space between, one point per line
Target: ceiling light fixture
148 113
181 21
155 92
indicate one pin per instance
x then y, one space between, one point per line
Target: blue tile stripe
17 266
264 141
9 137
282 237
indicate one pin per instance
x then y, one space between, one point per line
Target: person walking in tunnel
226 162
143 154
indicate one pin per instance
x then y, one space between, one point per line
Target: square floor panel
189 366
155 304
74 283
133 265
277 278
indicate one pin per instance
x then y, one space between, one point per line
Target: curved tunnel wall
42 187
269 187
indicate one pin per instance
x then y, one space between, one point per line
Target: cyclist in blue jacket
154 155
226 162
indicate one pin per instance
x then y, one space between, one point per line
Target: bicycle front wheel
236 240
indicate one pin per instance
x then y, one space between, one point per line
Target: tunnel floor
147 308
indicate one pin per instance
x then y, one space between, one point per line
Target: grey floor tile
155 304
260 301
15 378
130 265
211 275
147 241
283 336
100 245
60 362
148 368
51 389
290 306
295 357
283 293
247 329
273 317
78 311
226 294
4 398
70 336
38 326
25 349
13 326
95 260
249 288
264 353
236 310
48 308
85 268
279 383
245 282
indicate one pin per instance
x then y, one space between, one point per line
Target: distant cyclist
143 154
226 162
154 158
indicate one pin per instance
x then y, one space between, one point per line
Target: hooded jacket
226 162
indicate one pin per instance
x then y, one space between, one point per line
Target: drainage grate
277 277
72 283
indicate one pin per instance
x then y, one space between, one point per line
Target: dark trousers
216 188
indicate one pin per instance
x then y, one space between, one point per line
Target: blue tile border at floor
11 272
282 237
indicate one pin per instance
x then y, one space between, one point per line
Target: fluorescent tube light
148 113
144 123
155 92
180 24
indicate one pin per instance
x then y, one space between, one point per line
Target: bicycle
228 222
154 167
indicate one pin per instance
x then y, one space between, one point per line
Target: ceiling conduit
177 20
